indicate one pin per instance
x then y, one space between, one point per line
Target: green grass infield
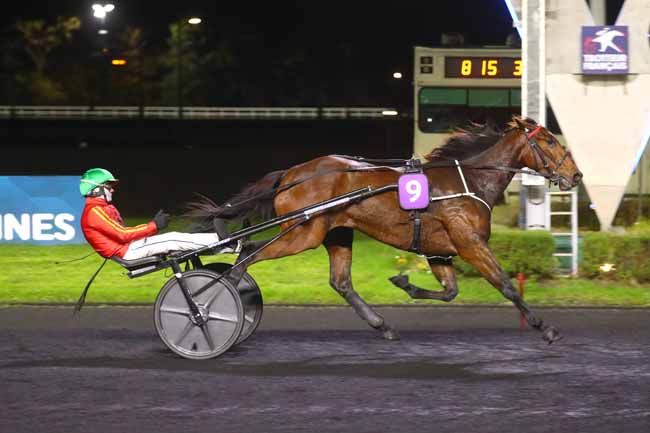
30 274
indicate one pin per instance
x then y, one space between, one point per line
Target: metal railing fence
216 113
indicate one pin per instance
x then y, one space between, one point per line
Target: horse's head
546 155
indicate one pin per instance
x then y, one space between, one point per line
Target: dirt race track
321 370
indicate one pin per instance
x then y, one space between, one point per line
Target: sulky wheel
251 299
220 308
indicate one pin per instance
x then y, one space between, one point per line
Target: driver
104 229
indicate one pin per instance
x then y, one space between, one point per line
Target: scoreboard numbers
466 68
483 67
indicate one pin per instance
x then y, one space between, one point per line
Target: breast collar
467 192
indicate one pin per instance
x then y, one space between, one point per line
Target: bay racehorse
458 226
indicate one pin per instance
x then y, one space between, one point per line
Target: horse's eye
551 141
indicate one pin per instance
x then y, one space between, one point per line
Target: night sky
342 43
387 31
406 22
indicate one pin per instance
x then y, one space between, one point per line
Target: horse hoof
551 335
401 281
389 333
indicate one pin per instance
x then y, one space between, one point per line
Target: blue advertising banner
604 50
40 210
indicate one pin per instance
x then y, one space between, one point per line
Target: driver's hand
161 219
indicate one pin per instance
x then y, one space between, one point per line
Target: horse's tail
255 201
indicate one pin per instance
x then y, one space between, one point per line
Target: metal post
533 50
639 173
533 90
522 317
574 232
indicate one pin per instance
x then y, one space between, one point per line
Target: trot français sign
605 50
40 210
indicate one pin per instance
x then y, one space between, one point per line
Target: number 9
414 189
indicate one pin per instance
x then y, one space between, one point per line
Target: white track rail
194 113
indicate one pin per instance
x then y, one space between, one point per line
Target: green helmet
94 178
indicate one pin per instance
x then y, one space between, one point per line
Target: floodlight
194 20
607 267
100 11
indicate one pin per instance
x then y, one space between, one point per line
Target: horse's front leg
443 269
474 250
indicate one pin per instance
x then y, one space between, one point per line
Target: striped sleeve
101 221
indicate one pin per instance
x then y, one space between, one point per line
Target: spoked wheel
220 307
251 299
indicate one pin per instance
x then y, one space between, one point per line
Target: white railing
129 112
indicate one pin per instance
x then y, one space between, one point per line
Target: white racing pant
172 241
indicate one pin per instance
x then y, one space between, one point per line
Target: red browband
534 131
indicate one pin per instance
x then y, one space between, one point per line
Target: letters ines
37 227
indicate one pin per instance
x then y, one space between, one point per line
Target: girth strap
417 225
415 166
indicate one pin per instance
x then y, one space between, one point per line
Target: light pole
100 12
179 60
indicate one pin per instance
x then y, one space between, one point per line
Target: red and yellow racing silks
104 229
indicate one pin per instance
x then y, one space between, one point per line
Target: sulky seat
138 263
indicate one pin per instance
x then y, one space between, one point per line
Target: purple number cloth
413 191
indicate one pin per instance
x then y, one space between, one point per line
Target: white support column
533 97
599 12
533 50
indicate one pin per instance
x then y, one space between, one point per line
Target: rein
441 164
396 163
436 164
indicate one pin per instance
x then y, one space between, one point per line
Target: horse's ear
520 122
516 123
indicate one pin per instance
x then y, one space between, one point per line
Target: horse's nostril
577 177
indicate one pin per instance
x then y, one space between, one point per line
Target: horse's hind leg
338 243
475 251
443 269
296 239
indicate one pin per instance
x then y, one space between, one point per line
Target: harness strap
417 228
436 164
397 161
462 176
534 132
440 260
415 166
467 193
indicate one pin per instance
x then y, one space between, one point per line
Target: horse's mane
472 140
467 142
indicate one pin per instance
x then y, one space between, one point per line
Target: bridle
554 176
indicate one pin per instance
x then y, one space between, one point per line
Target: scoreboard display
452 85
482 67
468 67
